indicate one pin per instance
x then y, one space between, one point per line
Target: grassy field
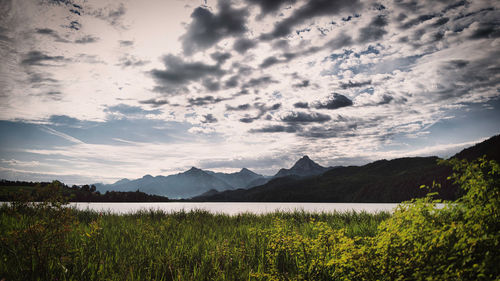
417 242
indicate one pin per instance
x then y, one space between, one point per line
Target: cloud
126 43
351 84
486 30
242 45
245 106
41 59
304 84
261 107
179 73
110 14
335 101
52 33
87 39
121 110
269 61
418 20
308 11
211 84
301 105
220 57
209 118
275 129
270 6
303 117
131 61
207 28
154 102
204 100
257 82
232 81
374 30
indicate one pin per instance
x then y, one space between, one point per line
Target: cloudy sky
95 91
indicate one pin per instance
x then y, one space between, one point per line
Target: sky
95 91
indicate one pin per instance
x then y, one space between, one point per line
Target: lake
233 208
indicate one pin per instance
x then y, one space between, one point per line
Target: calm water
231 208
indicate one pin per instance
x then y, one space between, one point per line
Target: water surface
232 208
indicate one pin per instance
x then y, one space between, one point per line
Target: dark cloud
440 22
126 43
131 61
263 109
416 21
232 81
87 39
248 119
211 84
386 99
75 25
351 84
269 61
204 100
486 30
270 6
209 118
52 33
309 10
220 57
40 78
304 84
179 73
63 120
335 101
154 102
276 129
454 64
41 59
54 95
245 106
242 45
374 30
257 82
303 117
301 105
340 41
332 131
112 15
207 28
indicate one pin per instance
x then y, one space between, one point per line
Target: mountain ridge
390 181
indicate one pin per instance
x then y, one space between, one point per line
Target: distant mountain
184 185
239 179
305 167
394 180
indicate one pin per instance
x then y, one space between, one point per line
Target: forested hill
394 180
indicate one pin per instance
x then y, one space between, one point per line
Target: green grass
178 246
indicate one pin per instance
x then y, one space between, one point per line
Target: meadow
460 241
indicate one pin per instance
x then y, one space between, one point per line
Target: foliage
424 239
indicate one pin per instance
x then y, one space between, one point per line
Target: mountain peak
303 167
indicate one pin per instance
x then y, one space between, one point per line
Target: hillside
380 181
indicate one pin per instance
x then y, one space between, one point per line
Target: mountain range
388 181
195 181
393 180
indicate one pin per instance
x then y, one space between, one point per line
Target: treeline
13 190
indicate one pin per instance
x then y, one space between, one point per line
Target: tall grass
149 245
